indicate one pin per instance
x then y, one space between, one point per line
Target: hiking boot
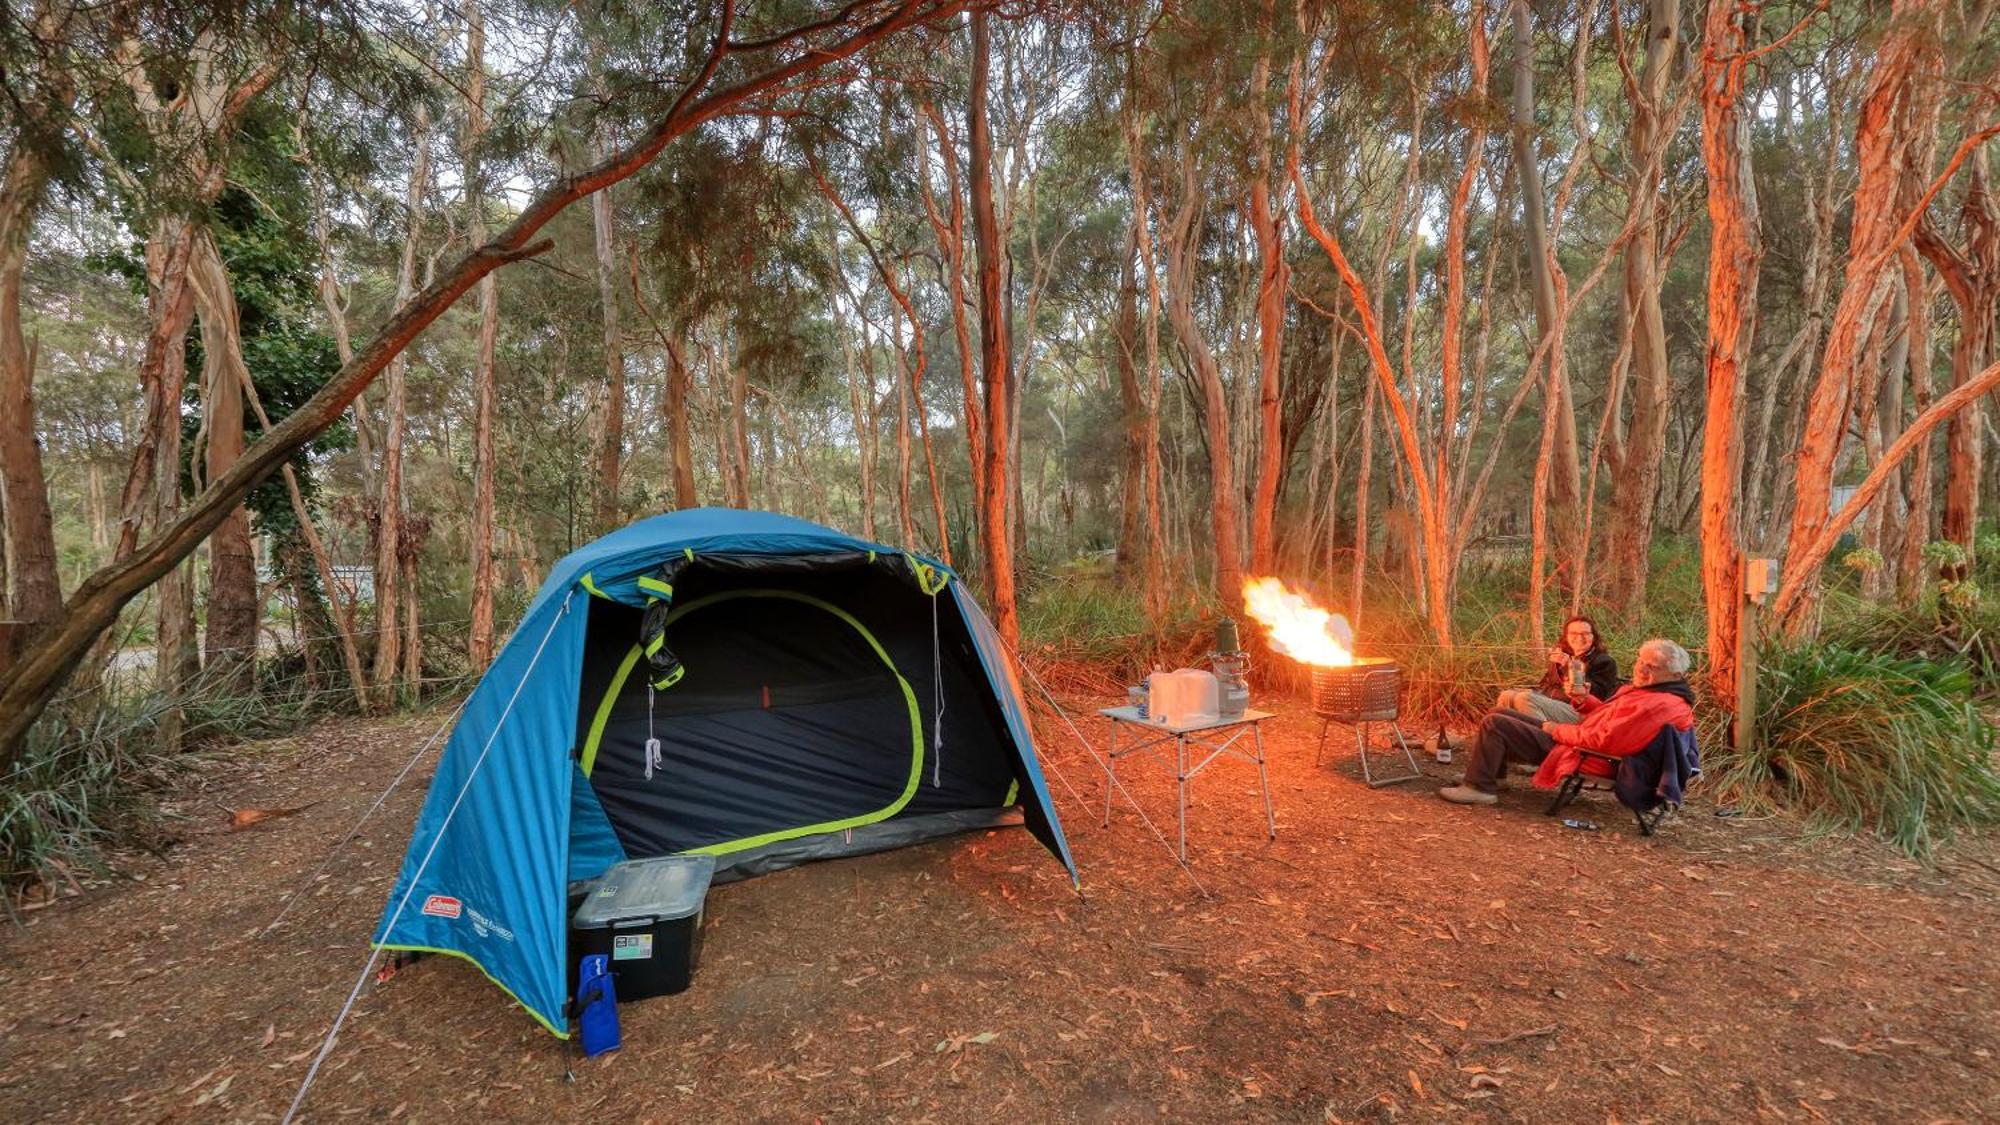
1467 795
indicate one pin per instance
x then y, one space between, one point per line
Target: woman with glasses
1554 699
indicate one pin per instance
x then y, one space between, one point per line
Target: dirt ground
1387 956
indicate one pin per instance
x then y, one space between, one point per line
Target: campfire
1346 689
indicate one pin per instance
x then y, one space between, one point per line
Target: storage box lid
659 889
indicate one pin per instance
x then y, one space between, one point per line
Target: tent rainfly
741 684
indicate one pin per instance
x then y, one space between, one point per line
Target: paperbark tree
767 64
1734 252
1881 147
1971 275
993 346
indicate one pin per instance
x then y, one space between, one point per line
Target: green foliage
1866 741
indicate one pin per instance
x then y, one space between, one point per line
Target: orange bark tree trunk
1881 146
993 347
1734 252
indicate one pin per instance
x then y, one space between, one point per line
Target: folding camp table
1196 737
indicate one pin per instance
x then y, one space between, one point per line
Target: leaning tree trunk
27 686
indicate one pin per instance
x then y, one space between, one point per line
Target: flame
1296 627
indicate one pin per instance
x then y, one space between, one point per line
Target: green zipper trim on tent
930 579
671 679
589 757
460 953
689 552
655 586
603 716
592 587
1013 794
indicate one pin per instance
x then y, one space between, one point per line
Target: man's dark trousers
1502 737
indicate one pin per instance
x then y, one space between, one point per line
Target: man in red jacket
1657 696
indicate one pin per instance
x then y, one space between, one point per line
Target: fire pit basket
1366 691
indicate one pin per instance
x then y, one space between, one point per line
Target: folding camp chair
1599 772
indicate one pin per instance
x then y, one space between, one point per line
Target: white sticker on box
632 947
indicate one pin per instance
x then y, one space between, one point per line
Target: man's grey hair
1665 656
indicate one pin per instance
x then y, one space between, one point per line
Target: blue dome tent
735 683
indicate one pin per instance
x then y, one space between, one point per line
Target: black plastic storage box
645 915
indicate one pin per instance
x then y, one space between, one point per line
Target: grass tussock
1867 741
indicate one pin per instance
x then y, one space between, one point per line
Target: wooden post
10 633
1759 577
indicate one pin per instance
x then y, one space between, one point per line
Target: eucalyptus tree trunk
993 346
1734 251
30 554
680 446
1565 475
389 501
1183 251
1132 401
949 231
1638 472
1971 275
1273 286
1881 146
1888 379
479 639
611 426
1916 528
233 610
1154 470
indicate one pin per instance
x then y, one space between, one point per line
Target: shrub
79 786
1860 740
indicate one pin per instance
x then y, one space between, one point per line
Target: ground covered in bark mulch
1387 956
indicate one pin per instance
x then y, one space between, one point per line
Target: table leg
1264 780
1110 771
1180 773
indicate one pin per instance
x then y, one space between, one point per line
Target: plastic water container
1183 697
645 915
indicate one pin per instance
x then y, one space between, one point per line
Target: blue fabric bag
597 1006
